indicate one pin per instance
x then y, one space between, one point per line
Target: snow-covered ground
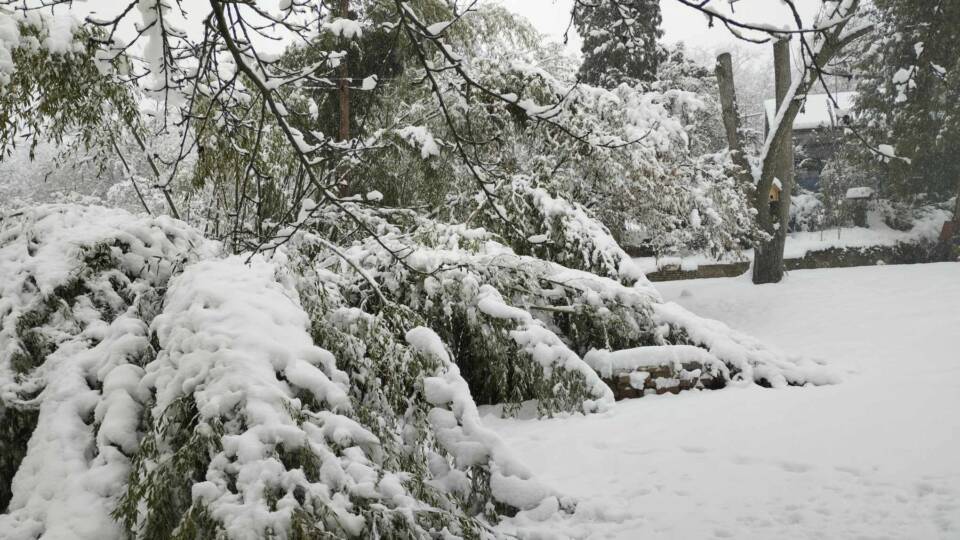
874 457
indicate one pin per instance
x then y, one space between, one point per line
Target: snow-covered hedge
202 405
79 288
566 233
807 211
517 325
153 388
261 432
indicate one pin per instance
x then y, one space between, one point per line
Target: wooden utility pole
956 209
783 81
343 86
731 117
343 95
774 215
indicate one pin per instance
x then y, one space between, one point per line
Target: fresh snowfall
479 269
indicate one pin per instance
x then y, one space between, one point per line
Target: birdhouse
775 190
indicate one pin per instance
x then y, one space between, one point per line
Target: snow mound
700 353
607 363
747 358
269 422
78 286
235 354
152 388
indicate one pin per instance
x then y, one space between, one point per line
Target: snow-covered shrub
204 405
921 217
468 288
704 124
806 211
151 388
718 219
894 214
518 326
79 288
551 227
261 432
841 173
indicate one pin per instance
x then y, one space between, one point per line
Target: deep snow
876 456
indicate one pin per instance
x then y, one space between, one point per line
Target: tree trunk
946 249
343 86
731 118
343 91
956 208
775 216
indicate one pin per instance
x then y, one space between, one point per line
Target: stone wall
869 256
663 380
828 258
703 272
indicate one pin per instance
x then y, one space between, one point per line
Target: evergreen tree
619 41
909 95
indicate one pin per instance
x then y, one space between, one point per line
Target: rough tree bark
768 259
731 119
946 249
775 216
956 209
343 94
343 86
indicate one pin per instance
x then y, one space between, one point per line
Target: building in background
816 132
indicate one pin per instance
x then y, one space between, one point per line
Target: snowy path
877 456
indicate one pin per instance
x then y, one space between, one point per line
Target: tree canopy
909 95
620 41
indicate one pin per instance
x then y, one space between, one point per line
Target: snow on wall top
859 193
819 110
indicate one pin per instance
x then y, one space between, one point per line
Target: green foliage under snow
168 392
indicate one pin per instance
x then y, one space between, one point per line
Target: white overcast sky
551 17
680 23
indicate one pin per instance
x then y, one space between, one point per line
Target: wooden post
768 256
956 209
343 94
783 80
731 116
946 249
343 86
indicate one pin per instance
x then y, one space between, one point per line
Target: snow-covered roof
818 112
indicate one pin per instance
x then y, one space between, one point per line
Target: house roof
819 110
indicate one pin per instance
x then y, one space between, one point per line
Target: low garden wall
901 253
